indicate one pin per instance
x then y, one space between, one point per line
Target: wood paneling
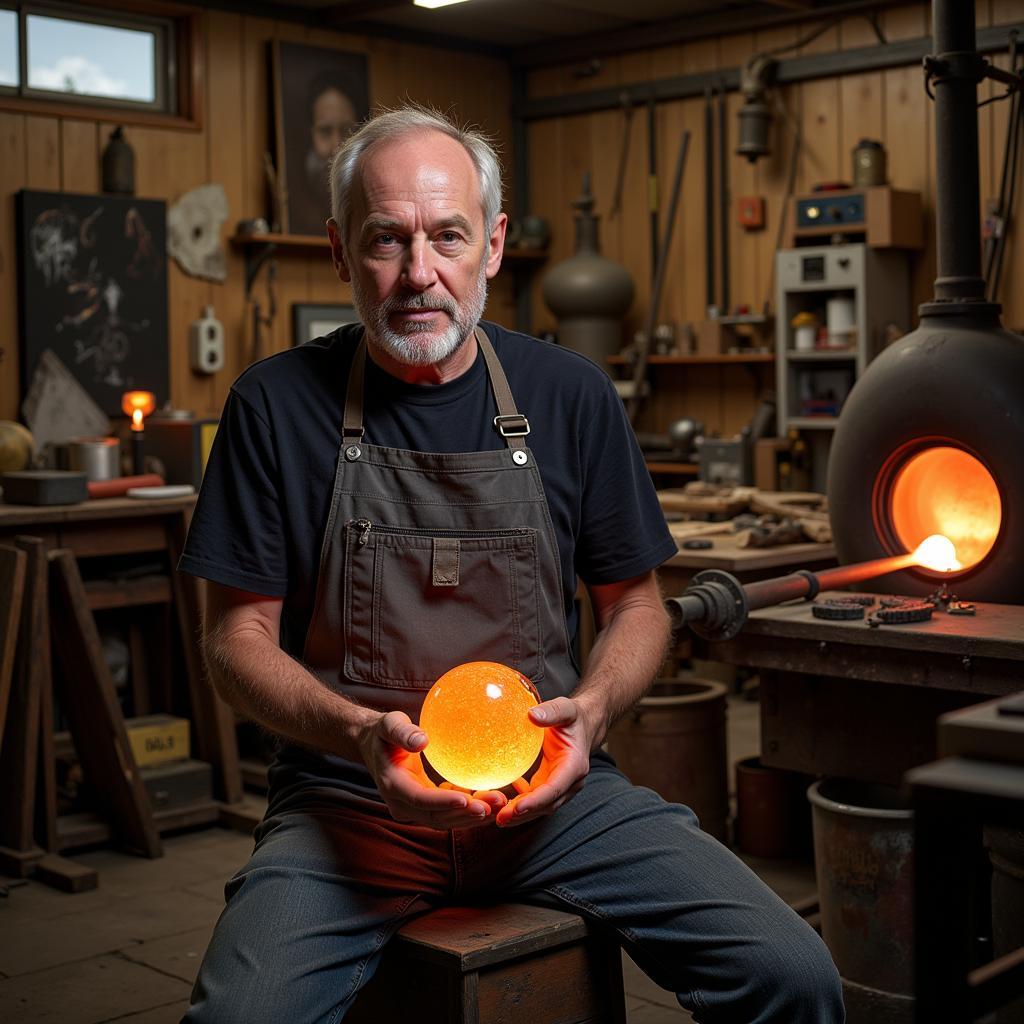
833 114
43 152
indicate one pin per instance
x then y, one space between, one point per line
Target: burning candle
479 733
138 405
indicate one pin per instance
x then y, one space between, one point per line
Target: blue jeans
330 880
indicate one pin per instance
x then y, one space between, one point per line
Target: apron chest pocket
419 602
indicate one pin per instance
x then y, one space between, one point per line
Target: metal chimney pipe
955 70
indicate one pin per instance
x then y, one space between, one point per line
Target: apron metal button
519 457
352 452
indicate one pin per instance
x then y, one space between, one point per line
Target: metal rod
723 202
661 263
716 604
709 200
788 72
652 180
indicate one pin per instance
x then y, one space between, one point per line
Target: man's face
417 252
334 117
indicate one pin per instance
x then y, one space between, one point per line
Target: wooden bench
503 964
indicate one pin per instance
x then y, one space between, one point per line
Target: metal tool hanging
661 264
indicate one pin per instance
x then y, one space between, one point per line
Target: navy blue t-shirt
263 507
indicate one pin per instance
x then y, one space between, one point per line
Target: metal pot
98 457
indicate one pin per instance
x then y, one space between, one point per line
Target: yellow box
158 739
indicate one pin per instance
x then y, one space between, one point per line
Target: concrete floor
128 951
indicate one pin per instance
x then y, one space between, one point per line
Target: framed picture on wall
314 320
93 289
320 97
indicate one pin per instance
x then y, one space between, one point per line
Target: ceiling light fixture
436 3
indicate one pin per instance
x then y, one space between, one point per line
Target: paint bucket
864 857
673 741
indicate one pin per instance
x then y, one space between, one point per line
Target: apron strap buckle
512 426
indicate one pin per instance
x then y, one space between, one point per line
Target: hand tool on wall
620 177
723 201
995 244
661 263
709 192
652 180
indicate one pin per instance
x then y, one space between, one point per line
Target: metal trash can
864 859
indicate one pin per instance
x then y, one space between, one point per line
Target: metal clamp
504 425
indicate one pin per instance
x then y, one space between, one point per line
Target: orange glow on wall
947 491
475 718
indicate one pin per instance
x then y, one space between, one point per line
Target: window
91 56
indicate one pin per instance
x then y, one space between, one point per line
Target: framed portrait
93 290
312 320
320 97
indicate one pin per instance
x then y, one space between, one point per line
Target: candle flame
136 419
138 404
937 553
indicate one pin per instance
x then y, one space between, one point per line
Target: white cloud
7 77
77 74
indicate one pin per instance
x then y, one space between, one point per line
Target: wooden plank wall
50 153
833 113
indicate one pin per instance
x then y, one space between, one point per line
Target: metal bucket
864 857
1006 852
673 741
773 819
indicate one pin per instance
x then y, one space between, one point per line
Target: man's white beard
406 346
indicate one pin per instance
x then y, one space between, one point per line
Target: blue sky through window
94 60
8 48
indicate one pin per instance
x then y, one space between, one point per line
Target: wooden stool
504 964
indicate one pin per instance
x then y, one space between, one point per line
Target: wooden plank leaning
87 696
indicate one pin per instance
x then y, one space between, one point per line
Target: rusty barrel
863 855
673 741
773 818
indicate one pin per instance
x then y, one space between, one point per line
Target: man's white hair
406 120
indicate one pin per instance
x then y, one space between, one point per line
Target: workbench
120 531
844 698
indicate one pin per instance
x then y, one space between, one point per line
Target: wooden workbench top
726 554
997 630
96 508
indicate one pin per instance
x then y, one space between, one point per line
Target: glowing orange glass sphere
475 717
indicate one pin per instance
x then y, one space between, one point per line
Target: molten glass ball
475 718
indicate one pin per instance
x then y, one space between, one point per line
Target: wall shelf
812 422
724 359
675 468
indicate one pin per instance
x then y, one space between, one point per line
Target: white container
839 320
803 337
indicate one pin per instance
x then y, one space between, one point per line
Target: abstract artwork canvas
93 289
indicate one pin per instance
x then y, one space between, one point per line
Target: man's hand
565 761
391 748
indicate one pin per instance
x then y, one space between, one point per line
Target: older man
372 516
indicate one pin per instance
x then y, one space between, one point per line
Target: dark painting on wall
320 97
93 288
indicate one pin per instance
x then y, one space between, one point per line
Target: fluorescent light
436 3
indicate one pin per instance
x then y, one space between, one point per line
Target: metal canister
99 458
673 741
868 163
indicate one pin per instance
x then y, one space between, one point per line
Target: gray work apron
430 560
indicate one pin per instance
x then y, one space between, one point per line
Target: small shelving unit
877 282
